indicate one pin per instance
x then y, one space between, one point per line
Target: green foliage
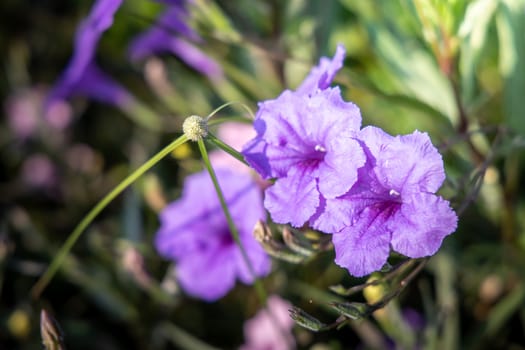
453 68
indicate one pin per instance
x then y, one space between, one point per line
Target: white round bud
195 128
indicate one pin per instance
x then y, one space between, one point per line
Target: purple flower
271 328
392 206
172 34
372 191
307 142
82 76
194 233
23 110
321 77
38 171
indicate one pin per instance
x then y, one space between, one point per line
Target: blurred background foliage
453 68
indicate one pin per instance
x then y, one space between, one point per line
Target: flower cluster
372 191
194 233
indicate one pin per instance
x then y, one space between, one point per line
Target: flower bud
52 336
306 320
353 310
195 128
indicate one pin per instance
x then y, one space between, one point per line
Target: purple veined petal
335 214
292 199
407 163
326 115
300 121
209 275
321 76
374 138
429 174
280 121
338 172
299 129
419 228
332 215
363 247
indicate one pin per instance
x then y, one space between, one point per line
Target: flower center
393 193
195 127
320 148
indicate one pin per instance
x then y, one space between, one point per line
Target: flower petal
292 199
419 228
410 164
363 247
321 76
338 172
332 215
209 275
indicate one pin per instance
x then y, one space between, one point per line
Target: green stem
246 108
261 293
226 148
88 219
179 337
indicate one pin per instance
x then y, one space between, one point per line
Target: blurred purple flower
271 328
39 172
26 116
82 76
23 110
306 140
194 233
172 34
392 205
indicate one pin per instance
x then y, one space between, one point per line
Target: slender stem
478 178
88 219
464 123
180 337
231 225
246 108
226 148
400 287
390 275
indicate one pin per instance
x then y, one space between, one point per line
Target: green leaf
415 71
473 34
510 24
